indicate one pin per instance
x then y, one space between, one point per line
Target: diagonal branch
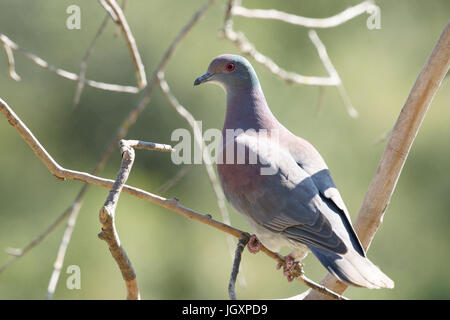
237 261
107 213
322 52
83 64
119 18
174 180
72 214
17 253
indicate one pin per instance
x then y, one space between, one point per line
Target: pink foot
290 267
253 245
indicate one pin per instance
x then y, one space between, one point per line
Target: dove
280 183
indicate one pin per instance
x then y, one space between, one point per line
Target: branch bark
329 22
120 19
107 213
236 263
109 231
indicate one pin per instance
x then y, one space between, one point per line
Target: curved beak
203 78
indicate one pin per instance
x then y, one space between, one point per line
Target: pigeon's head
230 72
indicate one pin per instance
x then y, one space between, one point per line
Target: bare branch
11 63
18 253
63 73
322 51
237 261
320 101
109 231
377 198
171 182
83 65
72 214
181 35
109 10
330 22
119 18
107 213
117 31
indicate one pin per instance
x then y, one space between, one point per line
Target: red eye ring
229 67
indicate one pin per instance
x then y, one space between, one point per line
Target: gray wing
289 202
309 159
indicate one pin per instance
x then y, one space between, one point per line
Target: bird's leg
254 245
291 268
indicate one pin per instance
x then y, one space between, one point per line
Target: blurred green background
176 258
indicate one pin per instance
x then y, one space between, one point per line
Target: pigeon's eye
229 67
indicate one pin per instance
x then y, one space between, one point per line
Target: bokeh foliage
179 259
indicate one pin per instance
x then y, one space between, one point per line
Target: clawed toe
254 245
291 268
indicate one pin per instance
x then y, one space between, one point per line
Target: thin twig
109 10
322 52
329 22
117 31
11 64
107 212
174 180
72 214
83 64
383 184
172 204
237 261
18 253
63 73
131 42
320 101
